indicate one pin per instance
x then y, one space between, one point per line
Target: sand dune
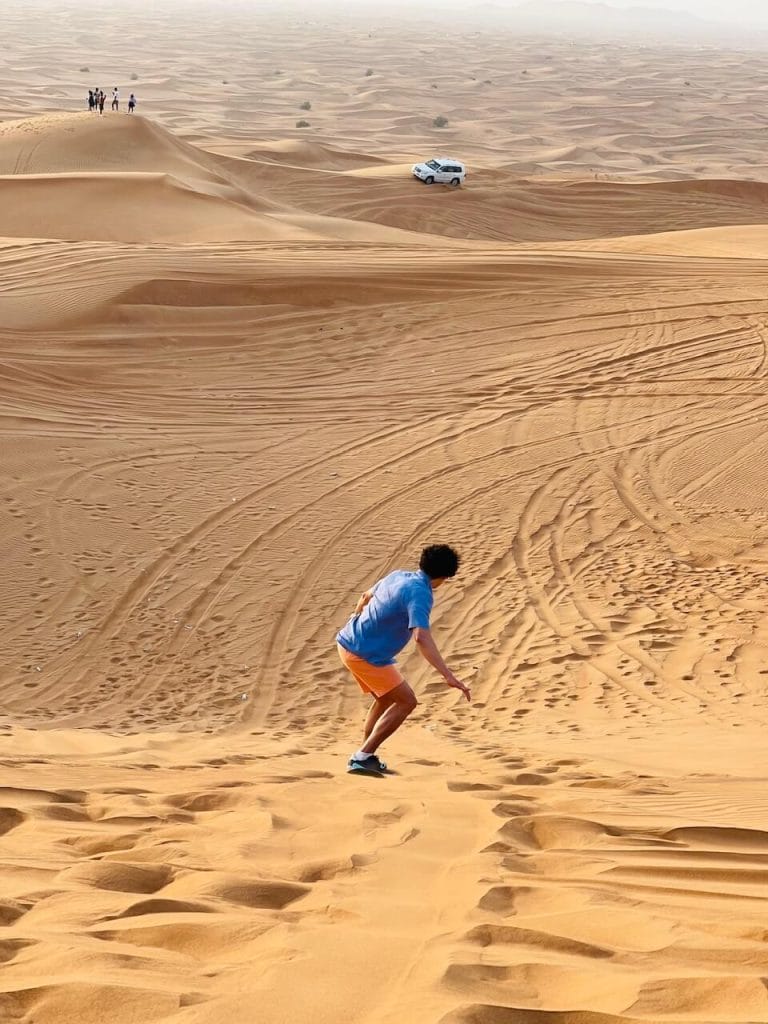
246 369
81 142
500 207
77 177
126 208
298 153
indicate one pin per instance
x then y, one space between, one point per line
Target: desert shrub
440 122
369 72
85 69
134 77
302 124
306 105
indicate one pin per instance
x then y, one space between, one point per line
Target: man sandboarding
385 618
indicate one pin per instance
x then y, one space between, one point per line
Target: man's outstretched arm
428 649
364 599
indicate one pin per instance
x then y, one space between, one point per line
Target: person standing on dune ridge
131 103
386 617
115 98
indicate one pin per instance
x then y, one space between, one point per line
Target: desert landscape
247 368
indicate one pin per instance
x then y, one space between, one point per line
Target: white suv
443 169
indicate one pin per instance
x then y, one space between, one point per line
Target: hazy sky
738 13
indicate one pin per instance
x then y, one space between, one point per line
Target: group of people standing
97 98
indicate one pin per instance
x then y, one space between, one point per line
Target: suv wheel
455 182
429 181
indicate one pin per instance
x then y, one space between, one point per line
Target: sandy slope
79 177
242 375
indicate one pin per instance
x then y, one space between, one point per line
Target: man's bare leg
376 710
403 702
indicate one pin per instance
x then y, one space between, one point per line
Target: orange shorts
375 679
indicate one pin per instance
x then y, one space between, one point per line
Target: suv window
433 164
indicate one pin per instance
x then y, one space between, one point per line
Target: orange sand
248 368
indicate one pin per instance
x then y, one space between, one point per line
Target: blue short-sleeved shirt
401 602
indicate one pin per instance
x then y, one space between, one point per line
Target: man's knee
407 699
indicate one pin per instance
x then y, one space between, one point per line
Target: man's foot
369 765
361 755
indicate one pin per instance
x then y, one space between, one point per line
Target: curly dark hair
439 561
